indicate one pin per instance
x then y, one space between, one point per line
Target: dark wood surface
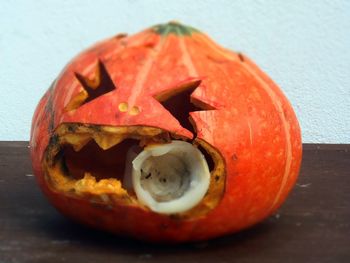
312 226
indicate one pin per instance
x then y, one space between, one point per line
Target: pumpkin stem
174 27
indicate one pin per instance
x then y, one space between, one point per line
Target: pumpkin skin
245 118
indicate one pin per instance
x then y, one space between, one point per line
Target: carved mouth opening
96 162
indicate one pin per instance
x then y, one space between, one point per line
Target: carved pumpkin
165 136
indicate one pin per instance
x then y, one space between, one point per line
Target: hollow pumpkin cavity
140 166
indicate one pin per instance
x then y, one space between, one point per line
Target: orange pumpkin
131 97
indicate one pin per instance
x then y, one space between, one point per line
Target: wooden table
312 226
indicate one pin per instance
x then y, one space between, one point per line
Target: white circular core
170 178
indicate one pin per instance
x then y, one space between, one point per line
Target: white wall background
303 45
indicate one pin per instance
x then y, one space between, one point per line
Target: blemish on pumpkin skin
150 44
234 157
72 127
251 109
120 35
123 107
241 57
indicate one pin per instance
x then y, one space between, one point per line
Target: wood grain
312 226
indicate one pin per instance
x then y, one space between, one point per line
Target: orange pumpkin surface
168 83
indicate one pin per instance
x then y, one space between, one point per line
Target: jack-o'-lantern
165 136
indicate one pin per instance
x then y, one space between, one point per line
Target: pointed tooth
81 144
107 141
78 141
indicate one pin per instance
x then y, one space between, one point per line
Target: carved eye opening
179 103
93 88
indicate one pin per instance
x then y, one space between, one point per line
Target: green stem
174 28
